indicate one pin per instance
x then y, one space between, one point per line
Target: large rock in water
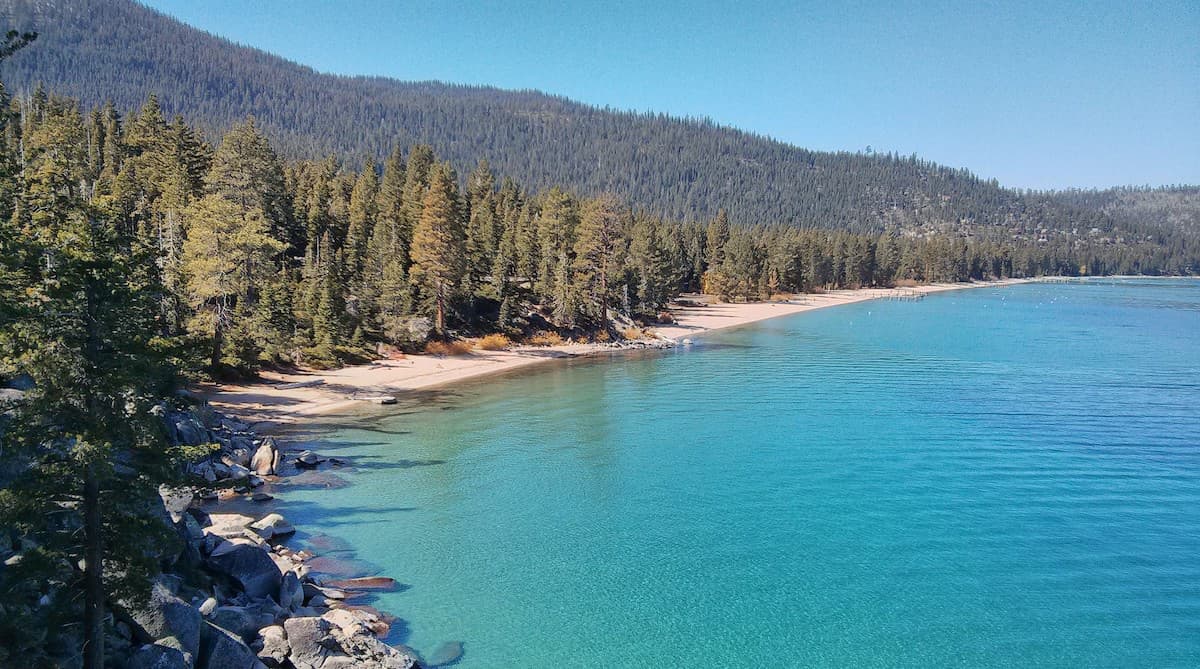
266 459
166 615
251 567
273 525
221 649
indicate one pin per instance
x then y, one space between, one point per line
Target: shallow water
1000 476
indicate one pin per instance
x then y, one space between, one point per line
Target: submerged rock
446 654
376 583
308 459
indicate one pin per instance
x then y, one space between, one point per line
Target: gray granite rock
291 593
241 620
166 615
272 525
159 656
222 649
250 566
265 461
275 647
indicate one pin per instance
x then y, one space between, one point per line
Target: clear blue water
993 477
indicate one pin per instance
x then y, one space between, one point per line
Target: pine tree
483 230
246 172
390 206
363 214
439 245
90 449
650 267
887 259
328 317
557 219
599 241
417 174
717 237
227 255
742 268
504 268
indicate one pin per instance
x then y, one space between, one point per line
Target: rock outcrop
241 599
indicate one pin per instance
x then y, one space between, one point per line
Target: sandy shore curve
285 398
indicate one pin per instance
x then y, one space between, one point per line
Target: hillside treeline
256 260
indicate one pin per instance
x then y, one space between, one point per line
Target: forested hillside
97 50
255 259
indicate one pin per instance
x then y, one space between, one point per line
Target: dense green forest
257 260
677 169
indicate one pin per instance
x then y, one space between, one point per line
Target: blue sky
1035 94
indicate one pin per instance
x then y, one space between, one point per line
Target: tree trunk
93 541
93 576
441 312
604 297
218 342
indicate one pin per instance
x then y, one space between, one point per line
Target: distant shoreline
268 404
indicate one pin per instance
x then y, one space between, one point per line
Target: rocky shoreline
236 596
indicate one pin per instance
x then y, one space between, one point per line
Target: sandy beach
280 399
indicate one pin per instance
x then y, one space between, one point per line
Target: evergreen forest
675 168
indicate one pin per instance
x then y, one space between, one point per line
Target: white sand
341 390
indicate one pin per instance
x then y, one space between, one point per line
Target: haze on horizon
1036 95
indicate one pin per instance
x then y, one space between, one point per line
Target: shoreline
284 399
280 407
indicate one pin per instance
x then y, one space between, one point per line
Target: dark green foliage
83 451
679 169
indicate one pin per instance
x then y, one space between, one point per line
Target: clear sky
1036 94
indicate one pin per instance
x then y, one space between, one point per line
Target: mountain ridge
682 168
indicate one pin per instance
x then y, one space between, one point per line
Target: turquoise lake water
992 477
